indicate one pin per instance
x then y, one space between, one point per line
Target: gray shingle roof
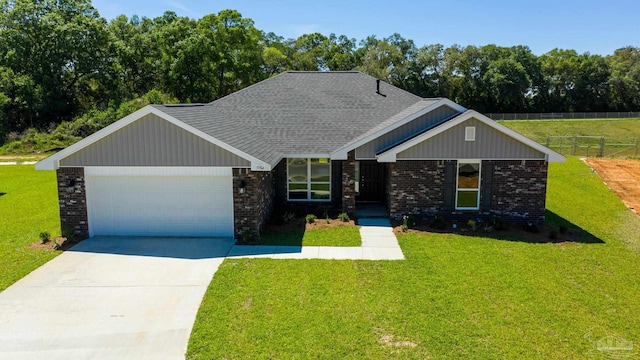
300 113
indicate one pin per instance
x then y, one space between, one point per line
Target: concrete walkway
378 243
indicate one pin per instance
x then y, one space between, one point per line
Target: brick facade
415 188
518 190
349 184
73 202
252 208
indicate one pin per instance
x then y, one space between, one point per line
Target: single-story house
323 139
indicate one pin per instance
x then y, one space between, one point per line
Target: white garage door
154 205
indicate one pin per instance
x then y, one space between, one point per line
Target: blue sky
598 27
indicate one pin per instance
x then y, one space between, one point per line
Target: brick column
72 200
253 207
349 184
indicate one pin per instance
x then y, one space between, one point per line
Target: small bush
438 222
343 216
472 224
45 236
405 223
328 219
67 232
310 218
247 236
553 234
288 217
563 229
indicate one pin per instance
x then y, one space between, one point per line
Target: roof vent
378 88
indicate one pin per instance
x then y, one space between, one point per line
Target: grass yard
28 206
320 233
620 131
453 297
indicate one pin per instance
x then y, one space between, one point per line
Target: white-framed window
470 133
468 185
308 179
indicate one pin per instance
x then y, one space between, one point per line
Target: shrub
405 223
67 232
328 219
247 236
343 216
45 236
563 229
472 224
438 222
553 234
310 218
288 217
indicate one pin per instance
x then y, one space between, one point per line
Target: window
309 179
470 133
468 185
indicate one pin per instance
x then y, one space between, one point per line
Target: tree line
60 59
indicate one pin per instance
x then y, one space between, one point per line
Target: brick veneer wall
518 191
252 209
416 188
349 184
72 201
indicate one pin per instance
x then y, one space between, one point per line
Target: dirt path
621 176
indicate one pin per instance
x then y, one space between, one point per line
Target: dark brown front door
371 181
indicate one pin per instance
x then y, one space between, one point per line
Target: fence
565 115
591 146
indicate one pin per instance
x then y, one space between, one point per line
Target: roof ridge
248 87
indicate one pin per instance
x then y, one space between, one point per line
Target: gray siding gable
153 141
489 144
404 132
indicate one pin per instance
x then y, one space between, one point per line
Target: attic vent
378 88
470 133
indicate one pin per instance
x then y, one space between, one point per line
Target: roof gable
153 141
54 161
436 143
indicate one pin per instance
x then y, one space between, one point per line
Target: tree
233 50
625 78
55 48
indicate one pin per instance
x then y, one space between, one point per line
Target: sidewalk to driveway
378 243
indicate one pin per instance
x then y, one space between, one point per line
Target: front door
371 181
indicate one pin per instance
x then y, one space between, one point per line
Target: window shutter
449 185
486 186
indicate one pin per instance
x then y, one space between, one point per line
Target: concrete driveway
110 298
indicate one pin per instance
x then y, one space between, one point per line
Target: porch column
349 184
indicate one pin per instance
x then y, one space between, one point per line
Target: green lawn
621 131
334 236
453 297
28 206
